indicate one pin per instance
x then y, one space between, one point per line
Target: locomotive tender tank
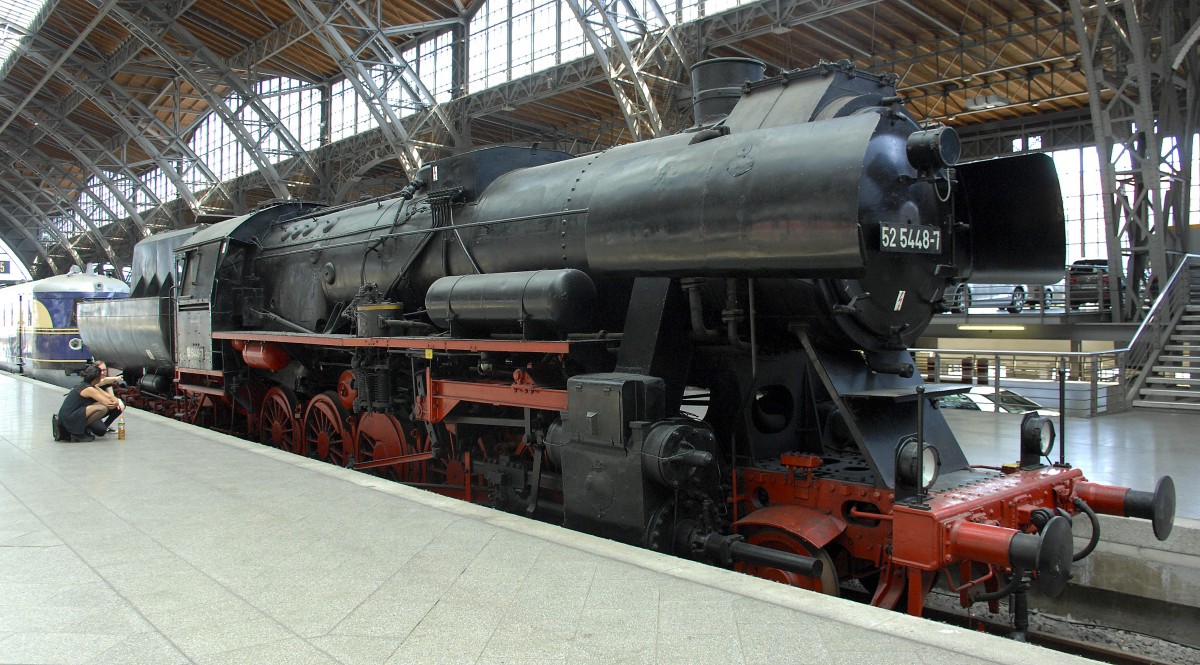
135 332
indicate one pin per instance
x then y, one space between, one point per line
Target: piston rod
728 549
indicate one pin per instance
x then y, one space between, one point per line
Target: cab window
199 268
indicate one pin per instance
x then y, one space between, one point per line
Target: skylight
16 17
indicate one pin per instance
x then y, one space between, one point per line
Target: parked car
983 398
961 297
1088 283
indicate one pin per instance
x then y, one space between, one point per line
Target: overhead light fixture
992 327
989 101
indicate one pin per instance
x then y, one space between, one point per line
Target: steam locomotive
695 344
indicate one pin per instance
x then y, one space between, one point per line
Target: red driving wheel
381 436
277 424
325 431
202 410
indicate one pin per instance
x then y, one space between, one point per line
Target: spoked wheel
451 473
325 432
379 436
776 539
415 442
383 437
448 473
277 425
203 411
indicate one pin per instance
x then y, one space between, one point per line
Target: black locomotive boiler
695 344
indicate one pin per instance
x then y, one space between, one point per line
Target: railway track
1112 642
1107 644
1095 651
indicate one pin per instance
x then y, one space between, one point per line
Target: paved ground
179 545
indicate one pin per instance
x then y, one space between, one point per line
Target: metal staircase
1164 356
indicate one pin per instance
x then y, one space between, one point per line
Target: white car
983 398
958 298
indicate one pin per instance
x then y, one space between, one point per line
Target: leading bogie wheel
778 539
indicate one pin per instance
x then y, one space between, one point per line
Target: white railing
1077 384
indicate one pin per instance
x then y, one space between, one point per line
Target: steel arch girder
414 84
364 85
29 237
215 101
120 57
91 165
21 201
136 133
138 26
101 241
643 123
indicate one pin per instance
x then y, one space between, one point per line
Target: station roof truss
99 93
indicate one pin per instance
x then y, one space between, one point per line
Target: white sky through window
15 18
11 270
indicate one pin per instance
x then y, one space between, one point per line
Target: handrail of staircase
1154 332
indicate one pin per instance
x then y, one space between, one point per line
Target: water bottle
121 428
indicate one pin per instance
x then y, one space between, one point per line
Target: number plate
910 238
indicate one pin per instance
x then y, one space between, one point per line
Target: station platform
181 545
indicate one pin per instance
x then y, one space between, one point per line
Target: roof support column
1144 109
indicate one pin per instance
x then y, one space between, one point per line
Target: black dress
73 412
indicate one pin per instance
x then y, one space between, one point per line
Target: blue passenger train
39 334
